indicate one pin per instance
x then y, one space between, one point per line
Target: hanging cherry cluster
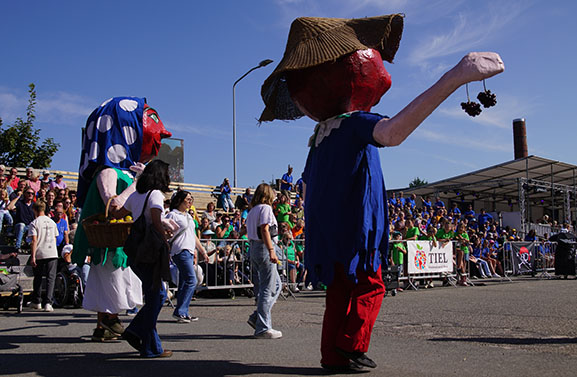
473 108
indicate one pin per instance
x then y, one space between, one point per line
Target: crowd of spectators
19 193
478 236
224 235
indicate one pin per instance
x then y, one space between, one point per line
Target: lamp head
265 63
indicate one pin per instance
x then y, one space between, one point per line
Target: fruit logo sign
427 258
420 258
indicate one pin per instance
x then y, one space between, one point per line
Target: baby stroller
11 294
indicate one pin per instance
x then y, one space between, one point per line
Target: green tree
20 144
417 182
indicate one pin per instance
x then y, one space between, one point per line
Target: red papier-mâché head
356 81
153 132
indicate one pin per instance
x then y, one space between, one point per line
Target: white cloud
200 130
64 108
463 142
469 30
10 105
54 108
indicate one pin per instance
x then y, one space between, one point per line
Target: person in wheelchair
70 280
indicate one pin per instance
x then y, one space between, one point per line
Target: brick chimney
520 138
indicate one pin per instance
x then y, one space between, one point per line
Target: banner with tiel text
423 257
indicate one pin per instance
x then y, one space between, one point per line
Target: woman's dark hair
178 198
154 177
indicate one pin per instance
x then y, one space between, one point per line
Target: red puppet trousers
350 312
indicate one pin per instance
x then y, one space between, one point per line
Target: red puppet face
356 81
152 132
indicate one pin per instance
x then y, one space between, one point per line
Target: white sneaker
269 334
48 308
310 287
496 275
35 306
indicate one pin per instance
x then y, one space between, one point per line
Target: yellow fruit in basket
113 221
128 218
120 220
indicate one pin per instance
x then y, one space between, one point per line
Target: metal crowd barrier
535 258
411 279
228 267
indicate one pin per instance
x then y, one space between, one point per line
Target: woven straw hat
313 41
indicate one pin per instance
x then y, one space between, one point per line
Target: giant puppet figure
120 135
332 71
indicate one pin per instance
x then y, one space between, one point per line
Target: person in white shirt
262 231
184 245
44 259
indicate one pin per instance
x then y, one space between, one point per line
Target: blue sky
184 57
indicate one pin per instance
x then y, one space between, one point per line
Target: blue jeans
269 285
186 281
20 229
226 202
483 267
144 323
5 216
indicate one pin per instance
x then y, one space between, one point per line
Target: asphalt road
524 328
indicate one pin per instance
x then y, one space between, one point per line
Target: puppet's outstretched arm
475 66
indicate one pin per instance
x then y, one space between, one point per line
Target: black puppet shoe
350 368
359 358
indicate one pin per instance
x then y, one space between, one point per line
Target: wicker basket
104 235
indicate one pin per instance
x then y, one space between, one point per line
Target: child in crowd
44 258
293 263
262 231
398 251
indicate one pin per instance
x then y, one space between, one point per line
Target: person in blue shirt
300 186
455 211
224 199
412 200
393 199
439 203
286 182
470 213
402 199
484 217
427 203
61 224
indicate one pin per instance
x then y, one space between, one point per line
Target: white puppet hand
138 168
477 66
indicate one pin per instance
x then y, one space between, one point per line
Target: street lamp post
260 65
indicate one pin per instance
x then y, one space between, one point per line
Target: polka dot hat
113 138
